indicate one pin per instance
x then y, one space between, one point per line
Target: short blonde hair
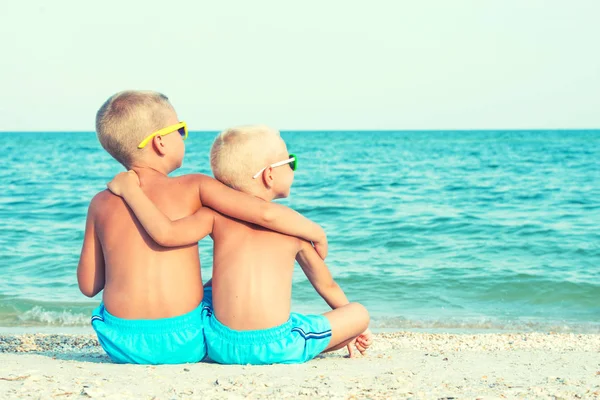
238 153
126 118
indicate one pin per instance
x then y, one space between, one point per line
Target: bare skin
142 279
252 281
253 267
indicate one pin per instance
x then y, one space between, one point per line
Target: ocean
430 230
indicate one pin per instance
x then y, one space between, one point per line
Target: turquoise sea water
432 230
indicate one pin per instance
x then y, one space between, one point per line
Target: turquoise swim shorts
298 340
174 340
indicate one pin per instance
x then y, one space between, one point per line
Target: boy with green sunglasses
152 301
248 320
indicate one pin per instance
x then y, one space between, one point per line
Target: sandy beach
399 365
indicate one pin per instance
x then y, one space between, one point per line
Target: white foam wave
38 315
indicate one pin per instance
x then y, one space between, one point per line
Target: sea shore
399 365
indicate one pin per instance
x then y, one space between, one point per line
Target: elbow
162 237
89 287
88 290
332 285
88 293
327 286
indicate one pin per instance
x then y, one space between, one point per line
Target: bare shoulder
186 181
103 202
191 179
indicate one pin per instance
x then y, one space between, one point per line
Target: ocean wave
41 317
38 315
15 311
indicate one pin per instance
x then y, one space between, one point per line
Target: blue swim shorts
298 340
175 340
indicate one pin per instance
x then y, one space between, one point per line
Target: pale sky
471 64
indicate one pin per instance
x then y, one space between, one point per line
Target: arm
90 270
320 277
165 232
272 216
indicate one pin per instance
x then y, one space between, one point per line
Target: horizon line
347 130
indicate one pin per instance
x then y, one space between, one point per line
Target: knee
362 315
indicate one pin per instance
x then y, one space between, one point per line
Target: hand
122 182
321 246
362 342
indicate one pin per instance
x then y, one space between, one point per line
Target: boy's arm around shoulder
319 276
90 270
181 232
245 207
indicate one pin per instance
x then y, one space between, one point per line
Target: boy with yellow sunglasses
152 295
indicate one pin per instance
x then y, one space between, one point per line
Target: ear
268 178
159 145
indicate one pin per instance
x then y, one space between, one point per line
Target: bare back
142 279
252 274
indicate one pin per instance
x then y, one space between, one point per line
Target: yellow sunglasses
180 127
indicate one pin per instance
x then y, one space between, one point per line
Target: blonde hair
238 153
126 118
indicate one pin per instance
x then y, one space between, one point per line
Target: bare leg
339 346
347 322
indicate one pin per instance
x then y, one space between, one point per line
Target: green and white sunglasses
292 160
